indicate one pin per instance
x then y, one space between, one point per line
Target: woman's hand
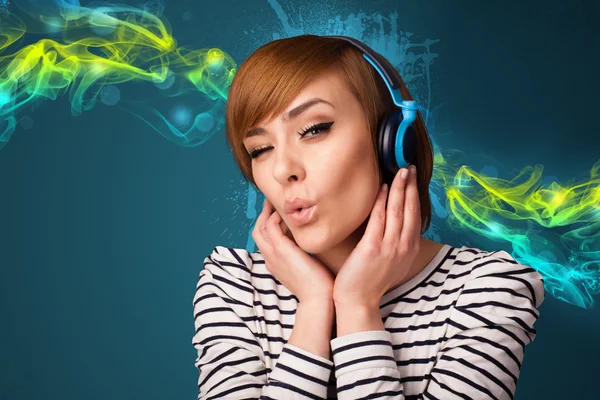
306 277
387 249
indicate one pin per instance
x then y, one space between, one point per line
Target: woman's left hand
387 249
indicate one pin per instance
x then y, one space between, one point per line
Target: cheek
350 184
344 162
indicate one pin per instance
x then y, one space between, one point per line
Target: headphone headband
384 70
375 58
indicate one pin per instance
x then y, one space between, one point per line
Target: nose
288 167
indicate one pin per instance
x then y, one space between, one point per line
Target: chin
323 235
311 243
312 246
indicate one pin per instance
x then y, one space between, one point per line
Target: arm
312 328
488 329
230 359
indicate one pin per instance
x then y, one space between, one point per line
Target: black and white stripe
457 330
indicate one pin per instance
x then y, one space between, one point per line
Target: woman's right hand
306 277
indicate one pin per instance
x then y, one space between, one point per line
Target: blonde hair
271 77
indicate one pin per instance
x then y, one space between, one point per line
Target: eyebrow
290 115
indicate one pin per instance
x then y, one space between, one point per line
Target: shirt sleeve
482 354
230 360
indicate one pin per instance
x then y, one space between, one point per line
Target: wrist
321 305
353 304
351 319
355 308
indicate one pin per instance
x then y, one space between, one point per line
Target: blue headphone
396 137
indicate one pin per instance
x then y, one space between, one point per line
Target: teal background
105 224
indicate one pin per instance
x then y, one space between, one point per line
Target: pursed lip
291 206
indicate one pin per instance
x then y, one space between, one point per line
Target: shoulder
228 270
235 262
498 275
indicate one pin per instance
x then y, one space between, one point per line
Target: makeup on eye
317 129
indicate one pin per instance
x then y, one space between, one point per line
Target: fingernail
385 187
403 173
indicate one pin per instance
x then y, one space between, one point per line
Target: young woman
345 299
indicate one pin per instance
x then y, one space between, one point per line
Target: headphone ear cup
410 145
386 140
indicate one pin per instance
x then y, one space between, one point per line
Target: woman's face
333 167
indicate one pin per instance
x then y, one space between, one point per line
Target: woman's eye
312 130
315 130
257 152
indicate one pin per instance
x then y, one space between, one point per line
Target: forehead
328 85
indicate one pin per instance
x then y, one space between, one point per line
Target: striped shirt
456 330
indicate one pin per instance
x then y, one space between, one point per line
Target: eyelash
323 126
